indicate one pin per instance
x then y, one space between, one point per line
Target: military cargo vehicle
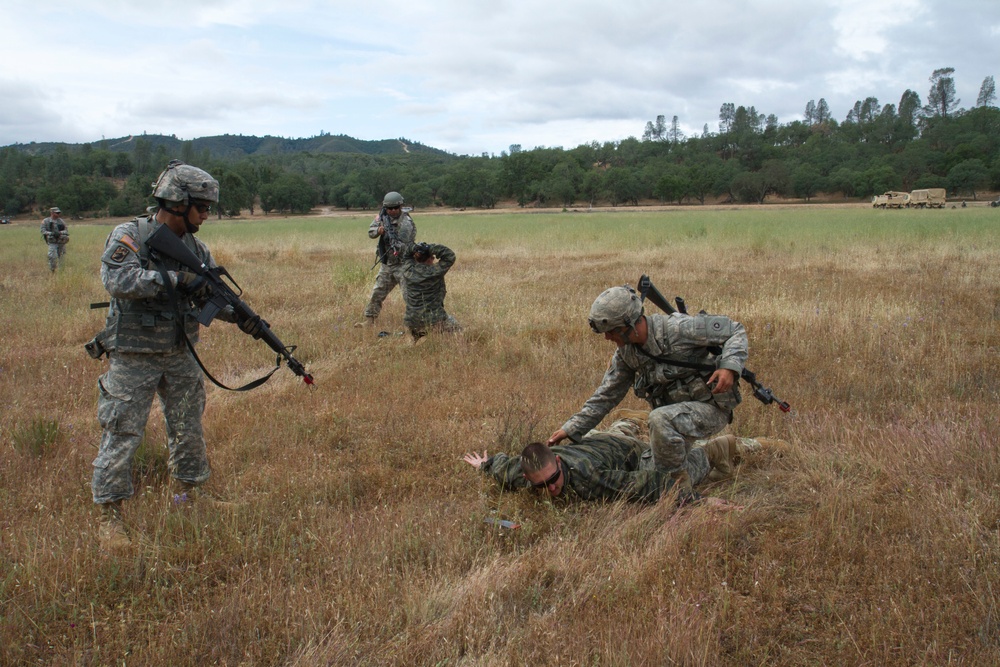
928 198
891 199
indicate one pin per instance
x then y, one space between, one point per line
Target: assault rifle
647 290
167 244
388 241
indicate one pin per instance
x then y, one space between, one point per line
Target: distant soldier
395 231
56 235
687 404
425 290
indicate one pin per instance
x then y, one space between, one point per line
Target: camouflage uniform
147 356
684 409
390 273
605 465
56 235
425 292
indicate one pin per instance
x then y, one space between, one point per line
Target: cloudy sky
467 76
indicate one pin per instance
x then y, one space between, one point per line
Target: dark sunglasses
393 208
551 480
203 208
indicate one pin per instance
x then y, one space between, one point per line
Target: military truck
891 199
928 198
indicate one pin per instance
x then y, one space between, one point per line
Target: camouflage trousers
56 251
695 462
126 396
389 275
673 430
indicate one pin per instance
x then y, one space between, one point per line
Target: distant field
360 535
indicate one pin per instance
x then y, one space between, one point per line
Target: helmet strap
181 214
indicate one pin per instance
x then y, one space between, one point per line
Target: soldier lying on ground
613 464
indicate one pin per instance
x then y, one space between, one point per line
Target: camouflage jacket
54 231
406 234
603 466
677 336
141 317
425 289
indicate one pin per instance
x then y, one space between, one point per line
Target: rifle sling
744 374
180 326
676 362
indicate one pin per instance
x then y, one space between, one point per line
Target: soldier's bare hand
557 437
381 230
475 459
722 380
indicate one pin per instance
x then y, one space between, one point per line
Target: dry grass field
359 536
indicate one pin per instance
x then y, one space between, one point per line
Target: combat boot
722 453
367 322
186 494
112 532
630 423
753 446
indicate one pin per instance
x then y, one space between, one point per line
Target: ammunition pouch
692 388
95 347
147 332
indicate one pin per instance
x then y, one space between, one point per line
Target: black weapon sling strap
175 302
676 362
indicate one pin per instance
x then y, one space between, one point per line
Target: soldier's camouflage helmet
55 209
181 182
615 307
392 199
421 249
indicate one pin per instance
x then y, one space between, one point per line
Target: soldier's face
394 211
619 336
550 478
198 214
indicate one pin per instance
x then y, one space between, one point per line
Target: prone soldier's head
615 308
542 468
393 204
181 189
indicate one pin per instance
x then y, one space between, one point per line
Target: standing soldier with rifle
154 306
687 404
395 232
55 234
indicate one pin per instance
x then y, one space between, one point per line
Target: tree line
876 148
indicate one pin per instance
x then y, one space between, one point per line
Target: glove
253 326
193 285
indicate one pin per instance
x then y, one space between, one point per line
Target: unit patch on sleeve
120 253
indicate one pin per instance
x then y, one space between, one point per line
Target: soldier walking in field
56 235
154 305
425 290
395 231
687 404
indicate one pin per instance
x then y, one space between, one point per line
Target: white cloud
469 77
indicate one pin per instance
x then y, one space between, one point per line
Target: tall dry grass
360 534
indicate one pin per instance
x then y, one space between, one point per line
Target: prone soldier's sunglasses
551 480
